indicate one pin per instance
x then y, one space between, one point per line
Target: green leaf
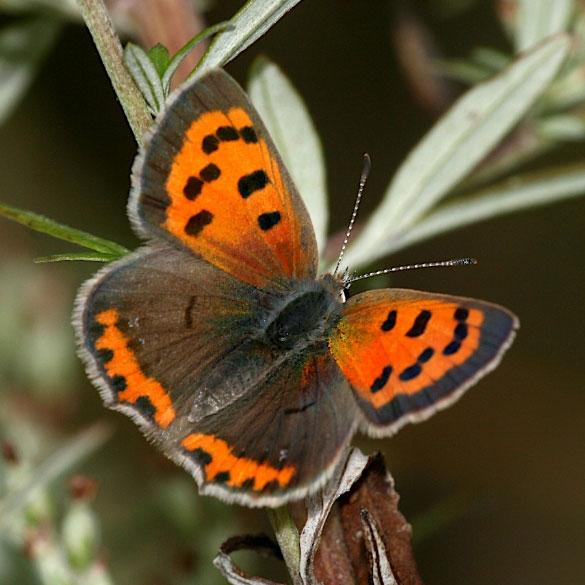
538 19
159 55
42 224
71 256
463 70
562 128
292 129
178 57
523 192
490 58
22 47
475 124
145 75
249 24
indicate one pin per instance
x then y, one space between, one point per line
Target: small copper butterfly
220 341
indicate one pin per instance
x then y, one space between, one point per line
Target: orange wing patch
228 200
125 373
220 464
401 347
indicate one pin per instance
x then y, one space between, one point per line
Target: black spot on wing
247 484
189 313
192 188
382 379
420 324
227 133
460 331
119 383
197 222
426 355
267 221
222 477
390 321
461 314
410 373
210 173
145 407
452 347
199 456
104 355
209 144
249 184
248 134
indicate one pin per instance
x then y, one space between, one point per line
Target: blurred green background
495 486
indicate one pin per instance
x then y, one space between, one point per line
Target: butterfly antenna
442 263
363 178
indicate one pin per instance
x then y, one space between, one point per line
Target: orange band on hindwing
126 375
220 464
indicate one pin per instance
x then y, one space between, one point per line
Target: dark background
495 484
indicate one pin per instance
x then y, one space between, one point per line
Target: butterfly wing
174 342
408 354
211 179
281 441
153 325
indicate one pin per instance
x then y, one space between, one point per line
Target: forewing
408 354
211 179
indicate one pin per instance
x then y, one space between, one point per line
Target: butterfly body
221 342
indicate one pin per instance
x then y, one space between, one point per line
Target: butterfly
220 340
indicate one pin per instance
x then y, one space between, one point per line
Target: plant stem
97 19
287 536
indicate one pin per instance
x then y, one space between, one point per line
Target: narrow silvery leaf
513 195
456 144
318 508
145 75
76 256
292 129
381 570
249 24
176 60
22 46
538 19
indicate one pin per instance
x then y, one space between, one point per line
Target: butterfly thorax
307 315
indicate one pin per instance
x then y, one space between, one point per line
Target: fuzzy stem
287 536
97 19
